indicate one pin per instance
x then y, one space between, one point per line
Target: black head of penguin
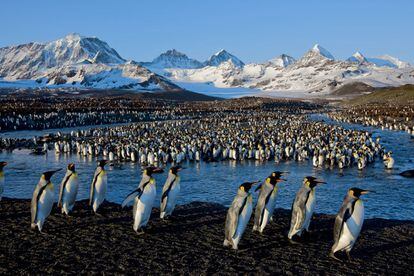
151 170
2 165
246 186
102 163
278 174
312 181
174 170
274 180
49 174
71 167
357 192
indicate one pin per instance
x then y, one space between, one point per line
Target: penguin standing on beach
144 197
267 201
348 222
238 215
42 200
68 190
170 192
2 165
98 186
303 207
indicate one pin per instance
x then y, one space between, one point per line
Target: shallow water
218 182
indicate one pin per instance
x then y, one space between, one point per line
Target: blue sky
252 30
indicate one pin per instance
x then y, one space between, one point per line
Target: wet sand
191 242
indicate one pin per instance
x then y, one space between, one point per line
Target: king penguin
303 207
238 215
2 165
144 197
348 222
42 200
68 190
98 186
267 201
170 192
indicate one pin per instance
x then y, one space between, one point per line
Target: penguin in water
42 200
238 215
2 165
68 190
144 197
303 207
170 192
348 222
98 186
266 201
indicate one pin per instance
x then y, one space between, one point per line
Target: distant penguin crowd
347 227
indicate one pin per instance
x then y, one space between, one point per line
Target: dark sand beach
190 243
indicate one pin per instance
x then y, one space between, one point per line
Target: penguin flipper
33 205
131 196
62 189
92 190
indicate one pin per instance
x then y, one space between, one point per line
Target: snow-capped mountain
357 58
221 57
283 60
317 71
88 62
397 62
77 62
173 59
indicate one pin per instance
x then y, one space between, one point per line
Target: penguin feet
348 254
226 243
140 232
332 255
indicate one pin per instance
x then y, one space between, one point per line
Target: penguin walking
2 165
146 177
98 186
170 192
303 207
348 222
42 200
266 201
68 190
238 215
144 197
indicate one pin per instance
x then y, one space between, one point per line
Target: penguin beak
49 174
364 192
280 180
320 182
3 164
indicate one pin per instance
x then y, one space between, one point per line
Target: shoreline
191 242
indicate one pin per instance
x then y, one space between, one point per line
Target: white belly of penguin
244 218
44 206
69 194
310 207
268 212
100 190
172 199
351 228
144 206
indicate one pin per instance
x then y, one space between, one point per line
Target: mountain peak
73 36
174 59
357 57
322 51
283 60
223 56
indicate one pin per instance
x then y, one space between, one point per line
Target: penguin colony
385 116
348 222
264 136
